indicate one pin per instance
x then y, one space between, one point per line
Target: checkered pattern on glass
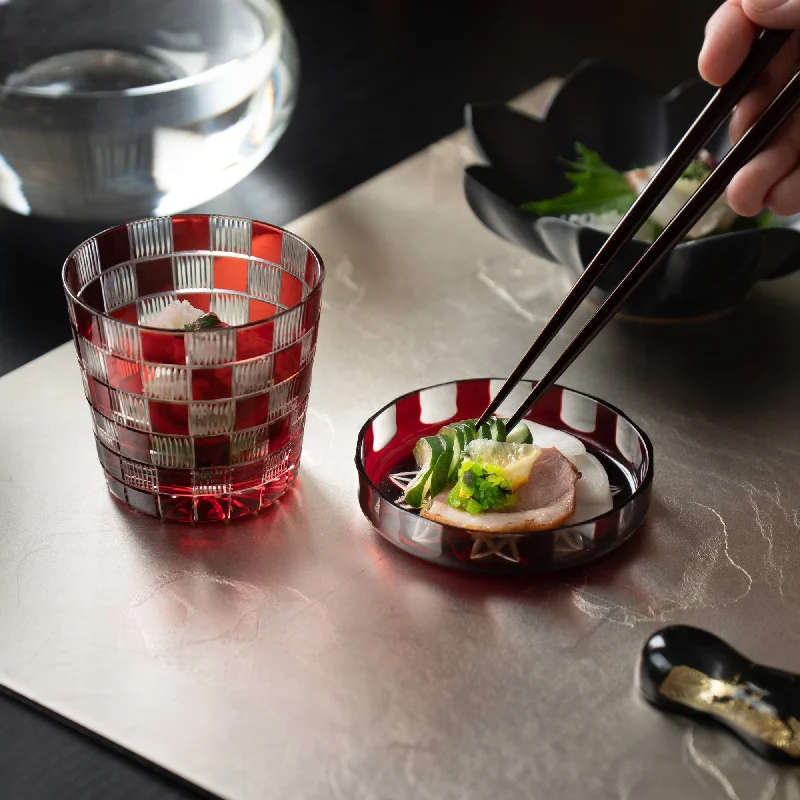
181 417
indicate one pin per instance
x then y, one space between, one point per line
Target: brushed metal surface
297 655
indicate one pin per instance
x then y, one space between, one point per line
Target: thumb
773 13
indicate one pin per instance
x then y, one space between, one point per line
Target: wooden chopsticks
713 115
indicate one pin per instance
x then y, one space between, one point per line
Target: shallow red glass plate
385 446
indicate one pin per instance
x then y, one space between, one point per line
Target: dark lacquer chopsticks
713 115
710 190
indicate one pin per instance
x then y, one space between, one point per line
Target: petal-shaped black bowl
630 125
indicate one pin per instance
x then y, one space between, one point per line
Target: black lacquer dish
690 671
630 125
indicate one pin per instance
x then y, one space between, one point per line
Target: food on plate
545 500
205 321
174 316
601 195
167 383
490 479
181 315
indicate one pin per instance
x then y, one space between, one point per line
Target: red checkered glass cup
196 425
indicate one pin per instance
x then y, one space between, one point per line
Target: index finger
729 37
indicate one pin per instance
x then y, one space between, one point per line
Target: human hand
772 178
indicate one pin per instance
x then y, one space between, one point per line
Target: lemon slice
515 460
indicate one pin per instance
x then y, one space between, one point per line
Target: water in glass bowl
119 109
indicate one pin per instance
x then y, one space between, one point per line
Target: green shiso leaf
598 188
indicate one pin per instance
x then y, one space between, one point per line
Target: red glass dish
385 446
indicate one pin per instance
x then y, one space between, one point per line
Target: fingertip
750 186
729 36
711 69
708 67
741 197
784 198
708 71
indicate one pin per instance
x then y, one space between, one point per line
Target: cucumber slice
520 434
493 429
455 461
450 431
439 474
457 438
439 457
427 453
498 429
463 432
415 491
467 426
485 431
427 450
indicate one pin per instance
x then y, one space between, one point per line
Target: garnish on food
546 500
513 459
601 195
174 315
439 457
209 320
181 315
597 188
480 487
529 486
494 480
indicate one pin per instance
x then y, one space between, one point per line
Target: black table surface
381 80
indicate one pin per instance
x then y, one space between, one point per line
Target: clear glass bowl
387 439
120 109
198 425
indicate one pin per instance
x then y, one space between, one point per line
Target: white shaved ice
176 316
592 491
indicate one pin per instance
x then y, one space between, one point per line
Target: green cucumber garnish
498 429
520 434
426 453
458 442
440 471
440 457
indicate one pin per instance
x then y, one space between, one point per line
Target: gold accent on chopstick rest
735 703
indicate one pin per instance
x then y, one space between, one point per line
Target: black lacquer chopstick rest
690 671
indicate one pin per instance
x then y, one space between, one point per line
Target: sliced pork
546 501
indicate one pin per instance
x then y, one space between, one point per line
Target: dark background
381 79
